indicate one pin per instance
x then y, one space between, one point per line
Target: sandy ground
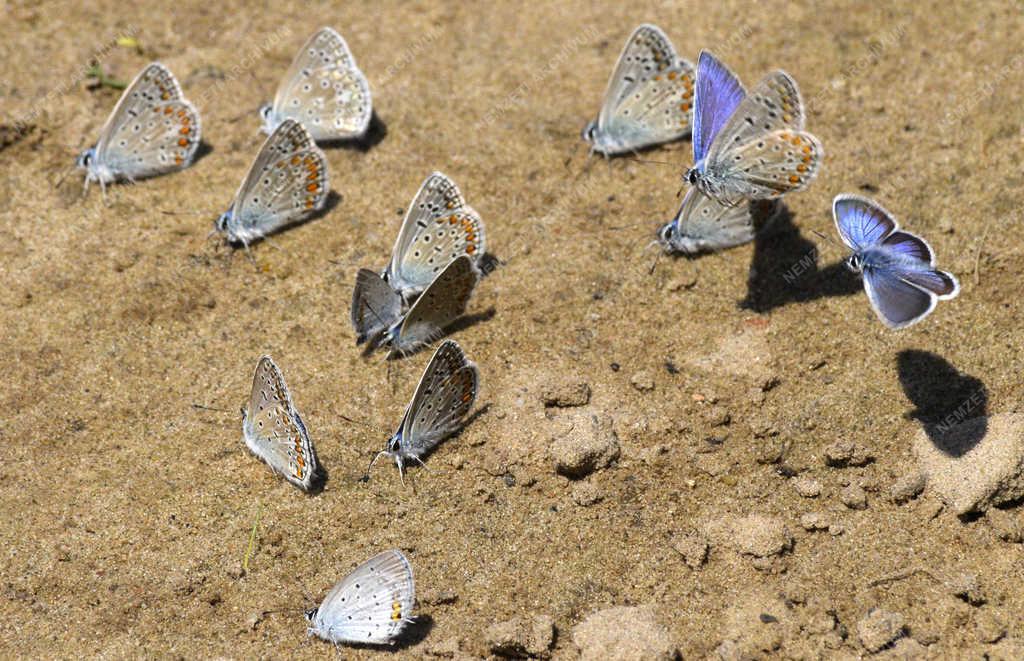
126 511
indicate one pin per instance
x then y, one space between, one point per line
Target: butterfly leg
420 461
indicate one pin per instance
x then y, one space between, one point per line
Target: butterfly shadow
375 134
784 269
202 151
951 405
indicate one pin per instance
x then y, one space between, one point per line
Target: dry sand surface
761 469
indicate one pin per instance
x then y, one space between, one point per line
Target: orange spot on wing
183 142
312 188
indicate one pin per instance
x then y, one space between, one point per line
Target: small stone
1006 525
693 547
588 446
989 627
807 487
907 649
907 487
854 497
761 536
946 225
836 529
686 281
847 453
975 464
566 393
812 521
1007 649
769 450
521 637
586 494
643 381
447 648
717 416
254 620
623 633
438 597
967 587
879 628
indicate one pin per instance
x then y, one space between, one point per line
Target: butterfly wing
762 151
717 95
862 222
440 304
375 306
705 224
287 181
897 303
371 605
152 130
438 227
273 430
444 396
649 99
914 263
325 90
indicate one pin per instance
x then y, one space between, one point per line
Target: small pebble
586 493
807 487
566 393
586 447
643 381
1006 525
761 536
693 547
854 497
879 628
847 453
907 487
812 521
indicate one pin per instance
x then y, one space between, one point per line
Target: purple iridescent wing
718 93
897 303
907 245
861 222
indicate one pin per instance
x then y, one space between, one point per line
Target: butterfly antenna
209 408
366 475
67 171
827 238
572 154
654 264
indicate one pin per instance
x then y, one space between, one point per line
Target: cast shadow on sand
785 269
375 134
950 405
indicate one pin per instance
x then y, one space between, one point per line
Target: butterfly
444 396
438 227
273 430
153 130
753 145
649 99
323 89
371 605
703 224
377 309
286 182
899 271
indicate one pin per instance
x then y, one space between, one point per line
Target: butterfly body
649 98
443 397
152 130
749 146
286 183
323 89
371 605
898 267
436 308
